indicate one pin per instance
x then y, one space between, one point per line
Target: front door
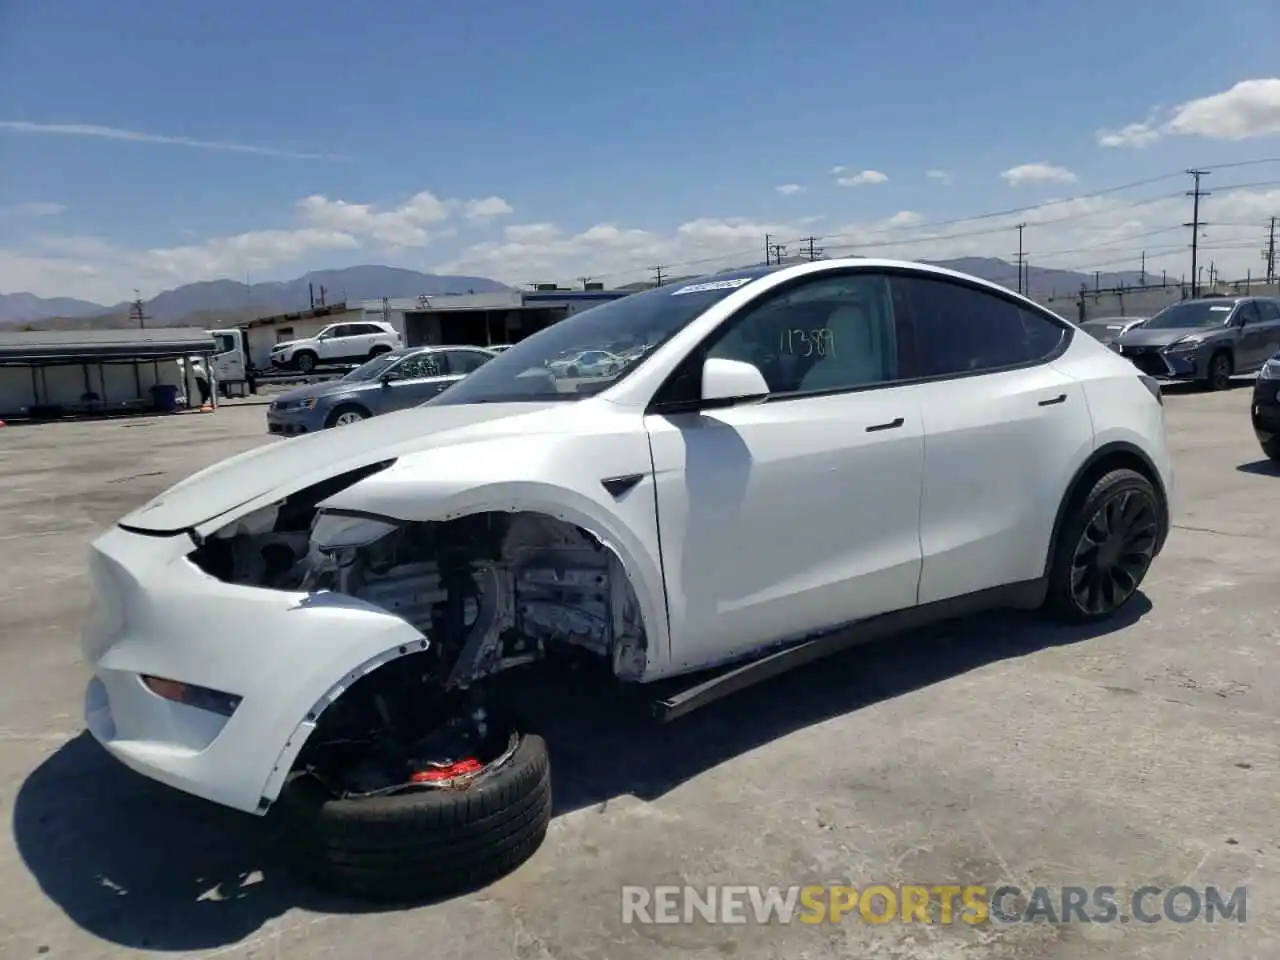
1253 345
797 513
414 380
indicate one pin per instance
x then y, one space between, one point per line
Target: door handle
891 425
1060 398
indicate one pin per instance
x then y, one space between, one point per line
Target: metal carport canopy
96 346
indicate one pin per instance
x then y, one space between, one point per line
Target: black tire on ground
571 372
1125 494
1218 374
343 414
305 361
418 845
1272 449
379 350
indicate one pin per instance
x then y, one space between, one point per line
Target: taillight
1153 385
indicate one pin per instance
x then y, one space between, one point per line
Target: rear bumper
285 655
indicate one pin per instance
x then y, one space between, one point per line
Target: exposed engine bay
490 592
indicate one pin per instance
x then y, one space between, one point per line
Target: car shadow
147 867
1267 468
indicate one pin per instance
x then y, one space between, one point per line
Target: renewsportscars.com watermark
942 903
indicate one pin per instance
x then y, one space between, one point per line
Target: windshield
1191 316
592 350
372 369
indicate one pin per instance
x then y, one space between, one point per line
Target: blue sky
602 138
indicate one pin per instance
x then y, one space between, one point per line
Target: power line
1195 225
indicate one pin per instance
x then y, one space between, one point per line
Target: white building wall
64 385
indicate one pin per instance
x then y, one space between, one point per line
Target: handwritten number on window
806 343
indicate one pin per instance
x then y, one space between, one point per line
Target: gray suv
1206 340
390 381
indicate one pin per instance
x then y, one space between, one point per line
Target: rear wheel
379 350
1218 376
345 416
1105 548
305 361
1272 449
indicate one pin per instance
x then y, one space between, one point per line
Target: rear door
1264 337
459 363
1251 343
1004 431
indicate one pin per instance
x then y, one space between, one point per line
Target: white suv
337 343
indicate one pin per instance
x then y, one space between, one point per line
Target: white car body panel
979 527
281 652
772 530
738 527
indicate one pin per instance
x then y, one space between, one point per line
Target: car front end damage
296 641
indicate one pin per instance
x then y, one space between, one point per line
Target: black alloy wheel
1219 372
1114 552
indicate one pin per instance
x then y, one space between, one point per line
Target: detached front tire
421 844
1105 548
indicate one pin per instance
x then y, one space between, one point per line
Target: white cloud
861 178
33 209
102 270
487 208
1131 135
1106 232
1251 108
789 189
942 176
1039 172
116 133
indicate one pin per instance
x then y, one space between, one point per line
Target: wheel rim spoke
1113 553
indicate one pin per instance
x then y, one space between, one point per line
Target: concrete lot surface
993 750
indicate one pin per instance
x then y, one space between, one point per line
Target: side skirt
1024 595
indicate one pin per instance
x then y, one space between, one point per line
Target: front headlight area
1270 370
1183 346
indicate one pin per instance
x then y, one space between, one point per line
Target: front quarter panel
560 475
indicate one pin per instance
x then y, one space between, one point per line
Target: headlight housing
1183 346
1270 370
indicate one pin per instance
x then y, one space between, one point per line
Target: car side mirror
386 379
732 380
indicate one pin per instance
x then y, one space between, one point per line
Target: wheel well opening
1118 458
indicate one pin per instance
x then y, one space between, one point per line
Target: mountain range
184 303
224 302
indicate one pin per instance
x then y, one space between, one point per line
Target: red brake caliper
457 769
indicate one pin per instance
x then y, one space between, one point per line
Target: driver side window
828 333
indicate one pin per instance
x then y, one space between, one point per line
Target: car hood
272 472
324 388
1142 337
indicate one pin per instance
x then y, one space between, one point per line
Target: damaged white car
806 458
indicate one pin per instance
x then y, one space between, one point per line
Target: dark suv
1208 340
1266 408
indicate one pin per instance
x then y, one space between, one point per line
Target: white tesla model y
790 460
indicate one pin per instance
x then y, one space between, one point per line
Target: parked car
1107 329
336 344
586 363
1265 410
809 457
390 381
1208 340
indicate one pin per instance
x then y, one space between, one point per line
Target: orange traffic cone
206 408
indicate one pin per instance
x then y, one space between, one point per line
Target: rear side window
464 361
1268 310
958 329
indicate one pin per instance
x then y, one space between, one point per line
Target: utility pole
136 311
768 249
1269 254
584 281
779 251
1021 227
657 275
813 252
1195 226
1142 276
311 294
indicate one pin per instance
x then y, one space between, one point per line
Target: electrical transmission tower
1022 257
811 251
657 276
1195 225
1269 254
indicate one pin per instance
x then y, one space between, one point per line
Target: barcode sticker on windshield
713 285
1220 309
